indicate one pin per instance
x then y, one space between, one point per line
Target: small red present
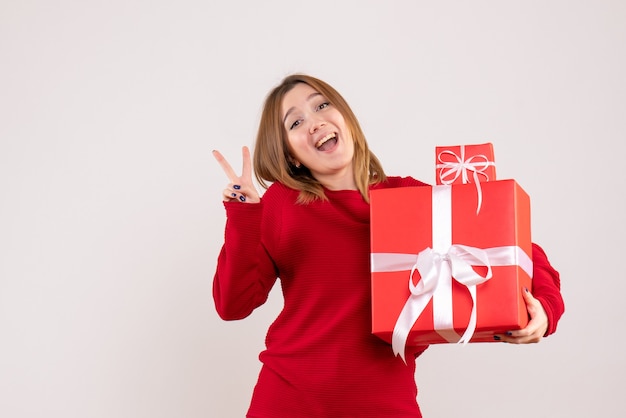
444 272
460 164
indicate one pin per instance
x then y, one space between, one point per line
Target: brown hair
272 161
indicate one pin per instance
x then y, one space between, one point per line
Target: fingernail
509 333
242 198
233 194
526 289
236 187
496 337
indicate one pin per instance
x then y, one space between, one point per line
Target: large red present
443 271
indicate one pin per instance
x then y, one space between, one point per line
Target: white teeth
323 140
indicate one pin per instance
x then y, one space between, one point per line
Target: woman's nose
316 124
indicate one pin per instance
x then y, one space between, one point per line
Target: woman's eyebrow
311 96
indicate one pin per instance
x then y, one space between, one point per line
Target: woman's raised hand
240 188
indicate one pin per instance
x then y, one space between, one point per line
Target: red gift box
460 164
419 233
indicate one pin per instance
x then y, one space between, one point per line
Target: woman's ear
294 162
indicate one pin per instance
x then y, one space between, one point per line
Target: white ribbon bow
450 171
437 269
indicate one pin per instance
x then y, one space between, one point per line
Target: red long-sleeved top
321 359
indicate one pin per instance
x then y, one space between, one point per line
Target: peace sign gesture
240 188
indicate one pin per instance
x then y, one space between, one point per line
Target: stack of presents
449 261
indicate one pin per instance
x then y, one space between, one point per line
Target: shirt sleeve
245 273
547 288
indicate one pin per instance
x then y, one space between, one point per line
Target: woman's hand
536 328
240 188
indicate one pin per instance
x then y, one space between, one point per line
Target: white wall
110 211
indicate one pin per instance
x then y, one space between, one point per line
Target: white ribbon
437 266
450 171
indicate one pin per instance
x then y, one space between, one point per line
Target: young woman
311 230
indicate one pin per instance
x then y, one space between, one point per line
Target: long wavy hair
272 158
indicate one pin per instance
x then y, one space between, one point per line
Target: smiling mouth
327 142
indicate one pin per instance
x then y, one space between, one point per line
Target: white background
111 218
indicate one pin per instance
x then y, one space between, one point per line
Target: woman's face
318 137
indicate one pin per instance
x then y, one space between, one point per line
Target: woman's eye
294 125
323 106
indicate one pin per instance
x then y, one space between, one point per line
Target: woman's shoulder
278 192
398 181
